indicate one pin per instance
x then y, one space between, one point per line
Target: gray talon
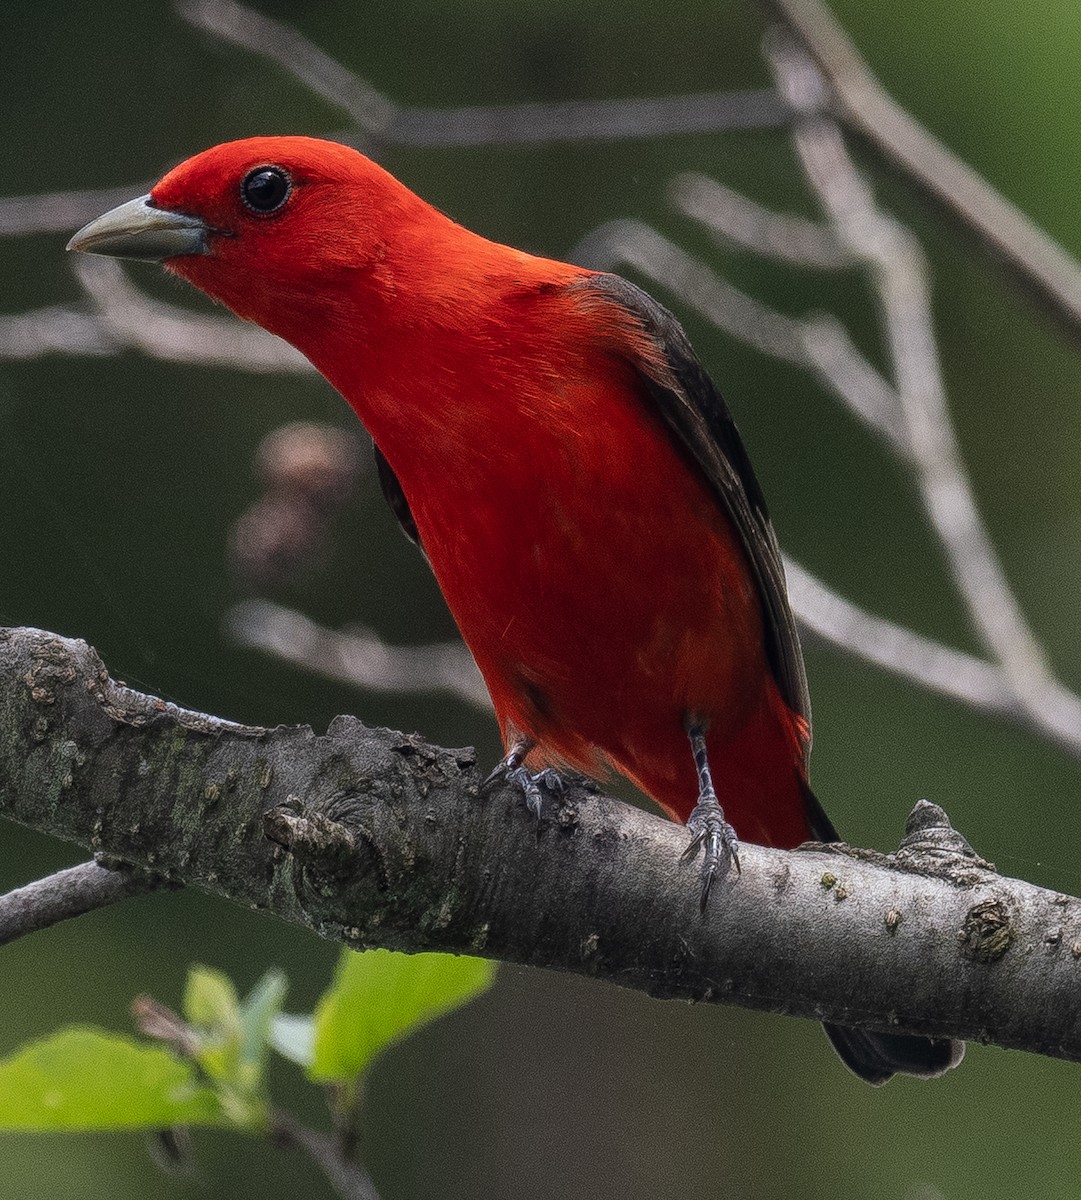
711 833
533 786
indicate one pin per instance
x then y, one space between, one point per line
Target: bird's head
276 228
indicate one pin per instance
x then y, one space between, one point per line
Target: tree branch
66 894
370 837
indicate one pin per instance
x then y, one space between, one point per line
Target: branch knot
315 839
932 845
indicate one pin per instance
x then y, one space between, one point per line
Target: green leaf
210 1001
293 1036
233 1039
262 1004
87 1079
213 1010
378 997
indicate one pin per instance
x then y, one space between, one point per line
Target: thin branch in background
136 321
60 212
838 364
736 218
356 656
123 317
633 243
901 287
68 893
478 125
983 686
1035 260
349 1179
54 330
289 49
588 120
818 344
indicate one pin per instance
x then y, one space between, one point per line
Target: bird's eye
266 189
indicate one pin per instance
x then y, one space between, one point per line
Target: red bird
547 436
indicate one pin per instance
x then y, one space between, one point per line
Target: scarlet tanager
547 436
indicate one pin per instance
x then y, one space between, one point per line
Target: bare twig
68 893
60 212
478 125
356 656
1036 260
634 244
901 286
348 1178
817 343
735 217
930 664
293 52
123 317
139 322
837 364
54 330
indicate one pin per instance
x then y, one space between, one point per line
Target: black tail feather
877 1057
822 829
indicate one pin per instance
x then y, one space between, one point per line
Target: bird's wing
698 418
395 497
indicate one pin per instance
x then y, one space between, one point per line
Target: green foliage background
119 479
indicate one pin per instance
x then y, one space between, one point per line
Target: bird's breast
590 569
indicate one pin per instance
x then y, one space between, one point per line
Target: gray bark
371 837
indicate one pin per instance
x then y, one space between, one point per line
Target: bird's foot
710 832
717 840
532 785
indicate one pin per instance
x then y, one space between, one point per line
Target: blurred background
121 477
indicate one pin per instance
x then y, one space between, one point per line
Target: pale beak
139 229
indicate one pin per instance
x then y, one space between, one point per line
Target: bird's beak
139 229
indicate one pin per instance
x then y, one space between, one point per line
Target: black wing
395 497
696 415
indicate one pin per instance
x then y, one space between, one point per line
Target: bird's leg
511 761
709 831
510 768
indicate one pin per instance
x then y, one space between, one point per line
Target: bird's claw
507 765
531 785
499 772
717 840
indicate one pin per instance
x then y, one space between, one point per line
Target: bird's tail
877 1057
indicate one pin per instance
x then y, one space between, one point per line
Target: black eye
266 189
